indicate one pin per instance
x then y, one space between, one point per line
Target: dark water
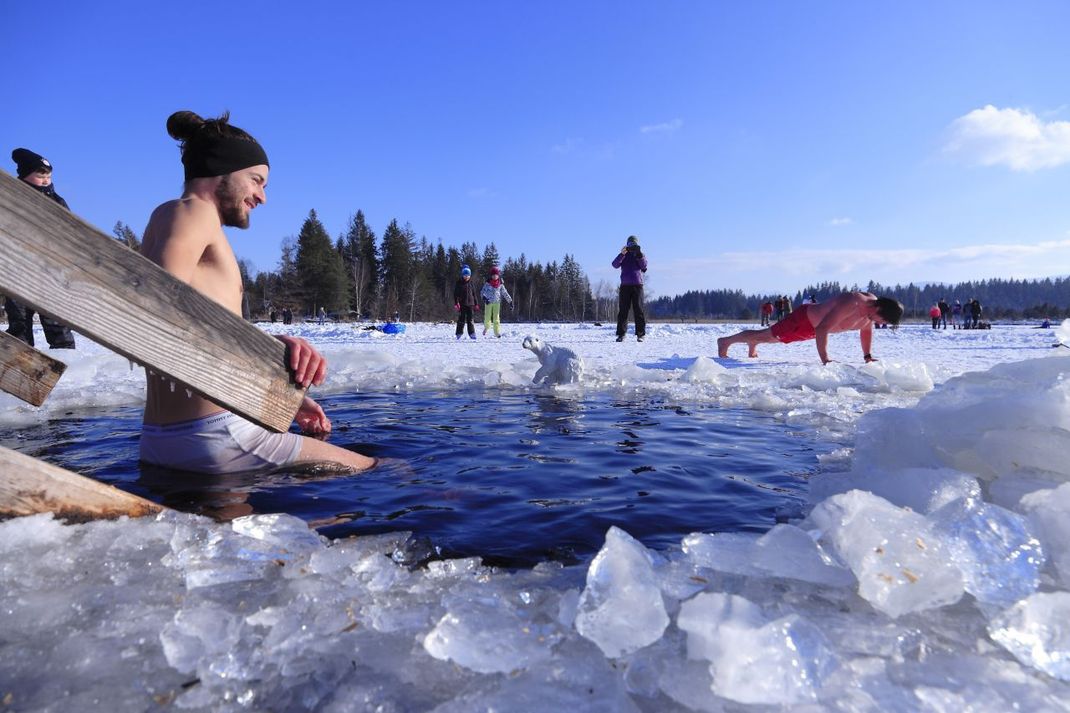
514 478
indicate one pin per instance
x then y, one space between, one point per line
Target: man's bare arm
865 335
830 323
821 340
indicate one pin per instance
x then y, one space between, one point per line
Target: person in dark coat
465 300
35 170
975 313
632 264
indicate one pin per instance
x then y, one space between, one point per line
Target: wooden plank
29 486
64 267
25 372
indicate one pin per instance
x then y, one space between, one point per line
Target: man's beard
231 205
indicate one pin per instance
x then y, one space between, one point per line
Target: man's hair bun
183 125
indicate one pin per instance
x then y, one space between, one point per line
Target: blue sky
759 146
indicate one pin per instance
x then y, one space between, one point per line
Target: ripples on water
514 478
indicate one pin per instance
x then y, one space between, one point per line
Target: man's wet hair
889 310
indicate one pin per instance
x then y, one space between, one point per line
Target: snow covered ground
932 572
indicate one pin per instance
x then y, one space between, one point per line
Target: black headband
219 155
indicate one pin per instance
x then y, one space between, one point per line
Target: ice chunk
920 489
1049 512
288 533
908 376
900 563
1012 418
199 633
753 661
621 609
723 551
1062 332
705 370
490 637
999 557
785 551
691 685
709 616
1037 631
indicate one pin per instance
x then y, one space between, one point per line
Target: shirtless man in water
843 313
226 174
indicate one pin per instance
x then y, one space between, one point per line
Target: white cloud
839 222
1015 138
666 127
754 271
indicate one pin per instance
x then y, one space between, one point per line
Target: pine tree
289 292
126 234
247 284
320 271
490 259
470 257
396 266
362 264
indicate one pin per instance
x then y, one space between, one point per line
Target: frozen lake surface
929 569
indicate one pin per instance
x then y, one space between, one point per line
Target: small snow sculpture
558 364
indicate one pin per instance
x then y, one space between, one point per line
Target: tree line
362 275
1000 299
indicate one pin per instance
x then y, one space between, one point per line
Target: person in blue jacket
632 264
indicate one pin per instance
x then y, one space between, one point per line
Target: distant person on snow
464 301
975 313
226 174
945 310
843 313
934 315
493 293
36 171
767 313
632 264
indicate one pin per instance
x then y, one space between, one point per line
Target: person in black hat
35 170
226 176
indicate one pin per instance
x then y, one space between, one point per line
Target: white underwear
220 443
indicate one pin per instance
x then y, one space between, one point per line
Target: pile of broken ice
934 575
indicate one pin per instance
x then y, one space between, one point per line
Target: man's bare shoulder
183 211
181 219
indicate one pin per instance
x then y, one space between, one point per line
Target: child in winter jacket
464 301
493 293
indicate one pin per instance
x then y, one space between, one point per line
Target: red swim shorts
794 328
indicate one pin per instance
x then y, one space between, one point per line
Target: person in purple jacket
632 264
